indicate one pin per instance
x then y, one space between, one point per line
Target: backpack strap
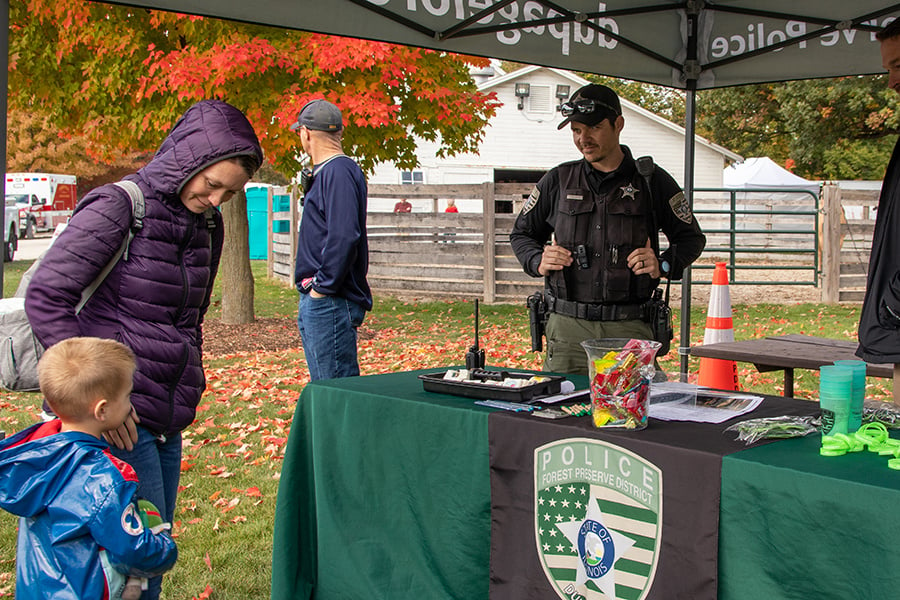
138 211
646 167
210 220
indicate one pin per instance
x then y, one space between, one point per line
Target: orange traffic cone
716 372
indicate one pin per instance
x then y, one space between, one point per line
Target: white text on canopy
567 33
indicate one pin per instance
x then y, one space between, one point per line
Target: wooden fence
848 225
444 255
283 242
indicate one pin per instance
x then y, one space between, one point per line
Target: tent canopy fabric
762 172
682 44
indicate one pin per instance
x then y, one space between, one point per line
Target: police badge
628 191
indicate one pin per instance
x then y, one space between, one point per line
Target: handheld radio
475 355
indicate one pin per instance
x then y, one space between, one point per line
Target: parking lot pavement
31 249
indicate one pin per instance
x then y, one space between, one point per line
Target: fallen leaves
205 594
220 472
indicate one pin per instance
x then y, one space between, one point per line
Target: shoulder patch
131 520
679 206
532 200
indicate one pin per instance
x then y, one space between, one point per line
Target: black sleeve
535 223
676 219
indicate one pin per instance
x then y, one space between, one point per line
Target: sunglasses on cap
585 107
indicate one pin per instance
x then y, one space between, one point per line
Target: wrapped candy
620 372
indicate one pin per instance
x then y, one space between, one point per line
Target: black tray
434 382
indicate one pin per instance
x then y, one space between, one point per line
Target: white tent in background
775 200
763 173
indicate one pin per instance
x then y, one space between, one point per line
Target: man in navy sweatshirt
332 249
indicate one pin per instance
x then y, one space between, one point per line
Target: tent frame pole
692 73
690 105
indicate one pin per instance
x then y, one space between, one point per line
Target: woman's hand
125 436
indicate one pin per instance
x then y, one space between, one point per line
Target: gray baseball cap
319 115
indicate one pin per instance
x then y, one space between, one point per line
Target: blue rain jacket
73 500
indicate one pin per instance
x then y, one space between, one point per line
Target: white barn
522 143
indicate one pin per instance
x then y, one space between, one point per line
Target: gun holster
537 319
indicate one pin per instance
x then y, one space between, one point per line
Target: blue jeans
157 463
328 332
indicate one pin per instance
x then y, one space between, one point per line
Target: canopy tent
685 44
682 44
762 172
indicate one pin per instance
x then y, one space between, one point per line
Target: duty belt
596 312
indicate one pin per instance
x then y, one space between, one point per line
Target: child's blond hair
77 371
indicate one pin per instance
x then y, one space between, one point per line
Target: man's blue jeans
328 332
157 462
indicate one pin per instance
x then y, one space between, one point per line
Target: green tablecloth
794 524
385 493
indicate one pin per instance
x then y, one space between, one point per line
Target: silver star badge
628 191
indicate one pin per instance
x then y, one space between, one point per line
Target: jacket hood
208 132
35 464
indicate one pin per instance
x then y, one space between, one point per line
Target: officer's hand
643 261
554 258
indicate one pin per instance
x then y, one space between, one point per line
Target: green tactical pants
565 334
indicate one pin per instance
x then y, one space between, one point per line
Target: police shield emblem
598 519
681 208
532 200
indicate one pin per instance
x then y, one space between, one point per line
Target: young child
76 503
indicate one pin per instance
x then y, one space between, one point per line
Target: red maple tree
121 76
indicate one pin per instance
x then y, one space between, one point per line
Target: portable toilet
281 202
257 217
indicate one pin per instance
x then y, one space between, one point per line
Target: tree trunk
234 270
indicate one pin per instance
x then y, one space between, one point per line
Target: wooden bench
789 352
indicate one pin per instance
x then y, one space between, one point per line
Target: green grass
12 273
233 451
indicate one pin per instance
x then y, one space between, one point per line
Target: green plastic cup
835 389
857 391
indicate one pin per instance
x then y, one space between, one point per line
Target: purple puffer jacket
154 301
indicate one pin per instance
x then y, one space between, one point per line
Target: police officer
590 228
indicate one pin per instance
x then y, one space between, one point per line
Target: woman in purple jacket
155 297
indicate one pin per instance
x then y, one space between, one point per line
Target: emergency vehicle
11 226
44 199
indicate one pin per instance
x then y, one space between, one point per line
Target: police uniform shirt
537 220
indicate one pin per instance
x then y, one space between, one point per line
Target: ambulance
44 200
